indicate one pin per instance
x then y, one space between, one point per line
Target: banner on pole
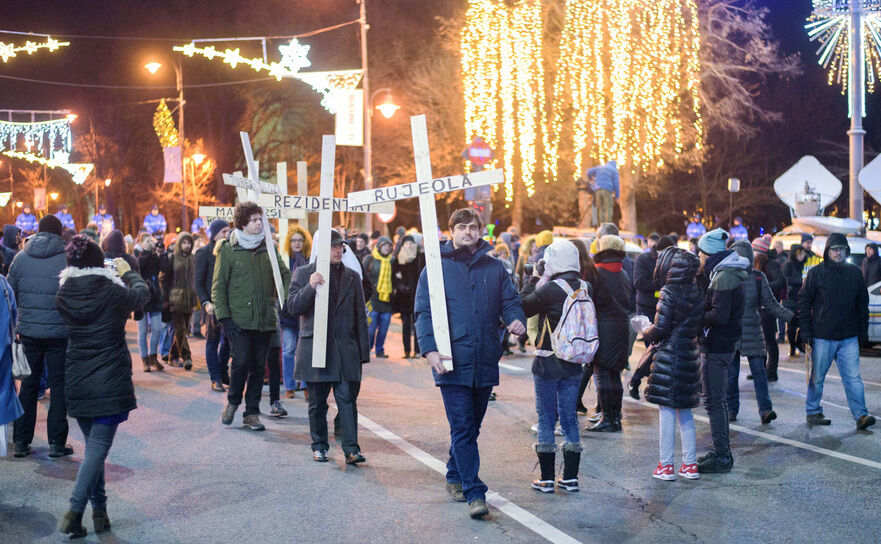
173 165
40 199
350 118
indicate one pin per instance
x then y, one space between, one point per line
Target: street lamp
53 196
154 67
198 158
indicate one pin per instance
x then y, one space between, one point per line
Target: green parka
243 288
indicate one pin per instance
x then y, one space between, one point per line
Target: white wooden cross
258 187
425 187
303 189
322 259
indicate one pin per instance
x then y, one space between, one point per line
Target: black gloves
230 329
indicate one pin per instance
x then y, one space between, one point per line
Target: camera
110 265
538 268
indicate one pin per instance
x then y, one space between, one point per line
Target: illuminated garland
501 60
9 50
79 171
57 131
830 24
293 60
628 81
163 124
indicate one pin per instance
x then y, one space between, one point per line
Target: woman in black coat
674 382
407 264
792 270
613 301
95 303
149 318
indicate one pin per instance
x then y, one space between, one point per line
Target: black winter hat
216 226
82 252
51 224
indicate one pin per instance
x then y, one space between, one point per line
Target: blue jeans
377 330
553 397
90 476
465 407
289 336
165 339
153 322
760 382
847 356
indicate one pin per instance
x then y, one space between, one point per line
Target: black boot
72 524
571 460
546 460
100 520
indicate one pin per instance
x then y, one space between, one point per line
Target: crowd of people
698 306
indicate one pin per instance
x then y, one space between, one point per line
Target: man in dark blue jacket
480 295
216 347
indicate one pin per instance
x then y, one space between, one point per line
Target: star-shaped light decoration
232 57
30 47
7 50
294 56
52 44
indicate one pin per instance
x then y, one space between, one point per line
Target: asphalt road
175 474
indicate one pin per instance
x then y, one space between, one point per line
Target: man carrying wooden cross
244 296
347 349
480 296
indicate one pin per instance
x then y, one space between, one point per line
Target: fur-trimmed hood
74 272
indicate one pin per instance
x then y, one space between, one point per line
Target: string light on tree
163 124
9 50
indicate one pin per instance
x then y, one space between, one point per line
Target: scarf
384 283
248 241
611 267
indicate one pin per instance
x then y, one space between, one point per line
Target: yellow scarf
384 283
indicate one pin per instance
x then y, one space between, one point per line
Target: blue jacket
739 232
10 408
99 218
198 227
155 223
27 222
695 230
605 176
480 295
66 220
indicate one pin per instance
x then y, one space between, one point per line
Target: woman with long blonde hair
298 245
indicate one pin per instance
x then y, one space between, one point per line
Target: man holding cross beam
244 295
480 296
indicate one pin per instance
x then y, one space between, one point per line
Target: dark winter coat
404 286
295 261
178 279
774 273
347 344
644 282
114 248
547 302
675 372
757 295
204 262
872 267
94 303
149 266
724 274
792 271
9 246
614 302
834 301
481 300
33 277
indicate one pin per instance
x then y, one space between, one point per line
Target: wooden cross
319 204
425 187
322 259
302 189
258 187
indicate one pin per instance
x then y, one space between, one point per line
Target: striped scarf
384 283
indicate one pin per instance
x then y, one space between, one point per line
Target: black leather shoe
22 449
716 465
605 425
60 450
817 419
865 422
354 458
768 417
710 455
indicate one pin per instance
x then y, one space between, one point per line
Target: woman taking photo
94 302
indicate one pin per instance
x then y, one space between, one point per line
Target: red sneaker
689 471
665 472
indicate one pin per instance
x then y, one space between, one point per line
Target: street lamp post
856 132
153 67
368 113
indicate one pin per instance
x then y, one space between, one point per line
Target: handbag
645 362
20 367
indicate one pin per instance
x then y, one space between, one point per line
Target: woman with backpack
556 381
674 383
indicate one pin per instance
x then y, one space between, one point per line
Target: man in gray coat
33 277
347 349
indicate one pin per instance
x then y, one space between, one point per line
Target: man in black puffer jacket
33 277
833 316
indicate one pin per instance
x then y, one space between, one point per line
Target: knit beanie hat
82 252
51 224
762 244
664 243
216 226
544 238
713 242
610 241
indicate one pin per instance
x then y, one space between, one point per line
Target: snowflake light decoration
294 56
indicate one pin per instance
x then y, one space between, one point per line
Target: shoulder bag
20 367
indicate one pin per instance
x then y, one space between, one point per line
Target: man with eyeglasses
833 313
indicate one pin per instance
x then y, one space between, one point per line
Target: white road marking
521 516
780 439
802 373
512 367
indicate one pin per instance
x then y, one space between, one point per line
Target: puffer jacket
613 299
178 278
243 288
872 267
675 373
9 246
33 277
756 295
94 303
723 277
